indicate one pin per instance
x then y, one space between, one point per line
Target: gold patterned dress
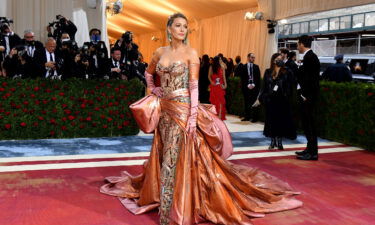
190 181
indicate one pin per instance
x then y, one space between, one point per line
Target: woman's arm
193 89
225 81
158 91
210 74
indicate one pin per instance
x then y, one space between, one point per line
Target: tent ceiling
146 16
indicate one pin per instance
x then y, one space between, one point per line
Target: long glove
158 91
193 89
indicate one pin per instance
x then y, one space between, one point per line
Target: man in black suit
8 40
114 67
338 72
31 45
49 63
250 80
308 91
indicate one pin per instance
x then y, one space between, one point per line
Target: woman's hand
256 103
223 86
158 91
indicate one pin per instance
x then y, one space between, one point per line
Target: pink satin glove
158 91
192 119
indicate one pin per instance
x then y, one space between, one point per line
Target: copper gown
189 180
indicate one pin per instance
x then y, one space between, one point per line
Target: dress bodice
173 77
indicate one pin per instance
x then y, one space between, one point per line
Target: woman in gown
217 88
187 177
275 95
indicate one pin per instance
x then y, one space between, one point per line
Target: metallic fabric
190 180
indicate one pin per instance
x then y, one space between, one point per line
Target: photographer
67 51
31 44
8 39
130 56
81 66
98 53
62 25
18 64
48 62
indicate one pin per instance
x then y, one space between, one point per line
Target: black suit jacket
40 60
14 40
308 76
245 78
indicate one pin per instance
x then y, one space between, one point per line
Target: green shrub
34 109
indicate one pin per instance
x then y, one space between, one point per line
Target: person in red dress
217 88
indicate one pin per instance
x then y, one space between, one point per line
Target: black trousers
308 120
250 96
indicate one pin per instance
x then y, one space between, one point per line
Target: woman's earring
169 37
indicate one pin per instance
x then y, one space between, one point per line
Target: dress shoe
303 152
273 144
308 156
254 120
280 144
245 119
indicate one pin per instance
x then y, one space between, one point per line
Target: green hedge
346 111
34 109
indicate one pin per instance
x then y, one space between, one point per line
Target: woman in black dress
275 95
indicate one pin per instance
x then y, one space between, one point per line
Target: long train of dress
190 181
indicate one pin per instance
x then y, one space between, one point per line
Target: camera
71 45
4 23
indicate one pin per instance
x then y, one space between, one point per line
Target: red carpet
338 189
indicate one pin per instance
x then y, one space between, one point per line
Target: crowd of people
284 80
60 57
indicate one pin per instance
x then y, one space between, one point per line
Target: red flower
12 89
5 84
102 116
88 118
71 98
45 102
25 102
125 123
32 96
25 110
370 94
53 121
23 124
7 113
97 109
48 90
8 126
73 123
119 127
54 98
71 117
81 126
122 116
67 111
36 89
83 106
63 119
37 102
63 127
109 119
40 118
52 133
44 112
2 89
64 105
110 104
36 124
117 89
105 126
94 124
61 93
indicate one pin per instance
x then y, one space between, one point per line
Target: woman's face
178 29
278 58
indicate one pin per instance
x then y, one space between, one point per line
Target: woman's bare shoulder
193 54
